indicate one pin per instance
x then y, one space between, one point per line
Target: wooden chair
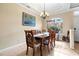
30 41
52 37
34 32
43 30
66 38
46 42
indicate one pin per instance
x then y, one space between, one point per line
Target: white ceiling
51 8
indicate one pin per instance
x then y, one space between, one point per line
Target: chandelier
44 14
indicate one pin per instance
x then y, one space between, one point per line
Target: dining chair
30 41
66 38
43 30
52 34
34 32
46 42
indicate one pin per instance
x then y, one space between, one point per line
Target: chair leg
54 42
33 51
40 50
51 44
48 48
27 50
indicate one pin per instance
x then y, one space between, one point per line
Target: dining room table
41 37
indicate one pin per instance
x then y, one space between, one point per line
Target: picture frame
28 20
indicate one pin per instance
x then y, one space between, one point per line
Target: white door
76 25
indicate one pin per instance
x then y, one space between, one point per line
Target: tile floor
61 49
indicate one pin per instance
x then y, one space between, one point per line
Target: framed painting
28 20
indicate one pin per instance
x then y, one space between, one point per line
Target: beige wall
68 20
11 28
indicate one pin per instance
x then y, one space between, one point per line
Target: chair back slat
29 37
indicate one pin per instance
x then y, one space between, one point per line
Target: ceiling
50 8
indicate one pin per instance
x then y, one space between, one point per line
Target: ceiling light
44 14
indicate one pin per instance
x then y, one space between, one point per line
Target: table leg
41 46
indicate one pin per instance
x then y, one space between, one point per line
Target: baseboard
13 50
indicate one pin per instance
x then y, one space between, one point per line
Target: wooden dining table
42 37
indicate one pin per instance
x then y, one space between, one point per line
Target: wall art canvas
28 20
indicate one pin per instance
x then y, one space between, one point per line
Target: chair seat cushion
45 42
36 45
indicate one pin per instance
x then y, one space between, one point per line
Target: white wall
11 28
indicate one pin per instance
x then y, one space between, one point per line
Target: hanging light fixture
44 14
